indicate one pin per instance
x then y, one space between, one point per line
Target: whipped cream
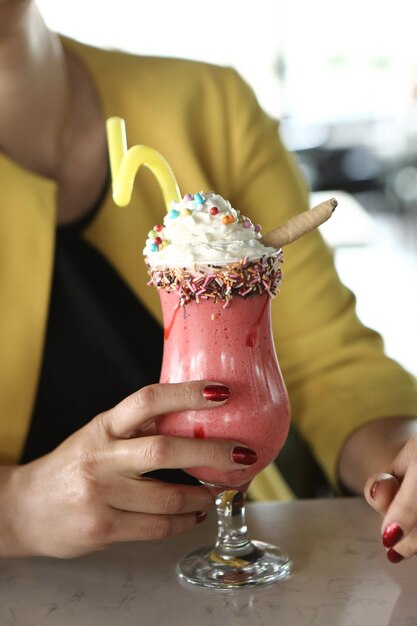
203 228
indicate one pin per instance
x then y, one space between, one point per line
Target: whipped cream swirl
203 228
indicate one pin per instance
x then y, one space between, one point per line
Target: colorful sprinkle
153 247
258 228
188 197
198 198
214 210
185 212
158 227
157 241
221 283
246 223
173 214
151 234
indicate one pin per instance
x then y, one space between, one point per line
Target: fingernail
216 393
200 516
244 456
392 535
394 556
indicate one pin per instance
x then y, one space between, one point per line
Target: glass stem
232 533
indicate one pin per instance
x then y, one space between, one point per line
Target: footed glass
231 345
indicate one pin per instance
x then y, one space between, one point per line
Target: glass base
263 564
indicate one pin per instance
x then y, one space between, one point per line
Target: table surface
341 577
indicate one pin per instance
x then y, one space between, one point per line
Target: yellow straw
125 163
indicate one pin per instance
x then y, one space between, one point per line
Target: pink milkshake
215 281
233 346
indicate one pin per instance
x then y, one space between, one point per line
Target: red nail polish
393 556
200 517
244 456
216 393
392 535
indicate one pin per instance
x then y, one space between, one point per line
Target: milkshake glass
216 276
217 326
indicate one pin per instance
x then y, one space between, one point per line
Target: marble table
341 578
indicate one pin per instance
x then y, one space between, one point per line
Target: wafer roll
299 225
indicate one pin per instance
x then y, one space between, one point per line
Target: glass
233 346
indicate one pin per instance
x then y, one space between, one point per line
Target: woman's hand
91 492
393 494
390 486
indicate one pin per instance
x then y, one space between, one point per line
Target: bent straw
125 163
299 225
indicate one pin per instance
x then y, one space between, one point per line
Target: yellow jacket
207 124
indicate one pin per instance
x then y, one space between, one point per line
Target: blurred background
342 80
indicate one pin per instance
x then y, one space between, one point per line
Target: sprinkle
185 212
158 241
214 210
173 214
246 223
153 247
151 234
158 227
258 228
188 197
213 317
221 283
198 198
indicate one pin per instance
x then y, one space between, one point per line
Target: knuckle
96 529
186 394
213 456
162 527
146 399
174 502
156 451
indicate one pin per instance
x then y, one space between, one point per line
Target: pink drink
233 346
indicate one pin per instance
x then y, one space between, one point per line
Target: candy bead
185 212
151 234
173 214
157 241
198 198
214 210
258 228
153 247
246 223
188 197
158 227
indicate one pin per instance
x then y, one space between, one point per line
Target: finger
147 495
401 517
132 457
141 526
138 410
380 490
